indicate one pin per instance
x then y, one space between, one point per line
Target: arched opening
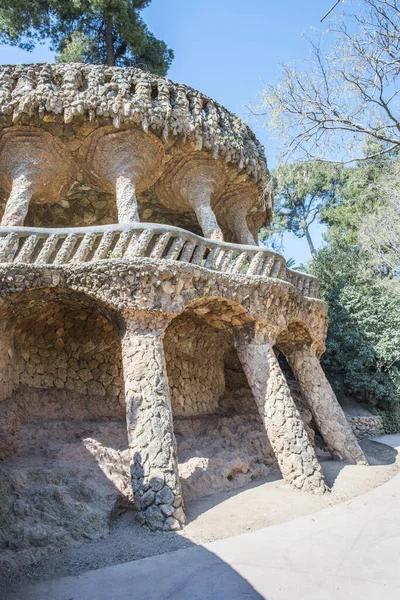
65 463
297 335
221 440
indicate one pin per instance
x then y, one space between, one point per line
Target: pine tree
108 32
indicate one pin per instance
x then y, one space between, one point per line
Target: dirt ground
263 503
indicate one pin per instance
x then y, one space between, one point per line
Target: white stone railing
41 246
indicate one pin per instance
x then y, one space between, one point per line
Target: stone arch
63 438
222 443
295 335
61 356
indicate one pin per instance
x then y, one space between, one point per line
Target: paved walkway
350 551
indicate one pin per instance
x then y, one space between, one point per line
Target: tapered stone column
286 432
234 207
125 163
327 412
33 163
154 466
194 181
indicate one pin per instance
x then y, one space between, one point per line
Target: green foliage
301 191
94 31
362 359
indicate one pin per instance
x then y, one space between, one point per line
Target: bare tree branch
332 106
330 10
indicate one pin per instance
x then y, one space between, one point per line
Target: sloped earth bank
65 482
65 496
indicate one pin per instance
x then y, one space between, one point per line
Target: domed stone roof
74 101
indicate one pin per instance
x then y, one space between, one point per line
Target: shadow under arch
64 458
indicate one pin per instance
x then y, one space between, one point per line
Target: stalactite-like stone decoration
123 162
286 432
194 181
131 96
327 412
32 161
154 468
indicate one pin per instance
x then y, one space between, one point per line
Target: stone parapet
41 246
128 97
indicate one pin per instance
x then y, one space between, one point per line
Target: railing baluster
121 245
226 261
176 247
267 266
187 251
27 249
276 267
65 252
47 250
306 289
198 255
139 243
282 271
255 263
314 291
212 258
240 262
104 246
85 247
9 242
160 245
300 284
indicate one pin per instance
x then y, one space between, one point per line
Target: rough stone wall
366 426
59 361
194 354
7 359
69 349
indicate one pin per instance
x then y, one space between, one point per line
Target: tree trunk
310 242
110 45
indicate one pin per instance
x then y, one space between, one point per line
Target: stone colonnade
154 467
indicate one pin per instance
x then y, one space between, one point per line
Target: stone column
18 202
32 163
195 181
127 206
124 162
200 200
154 467
326 410
241 229
286 432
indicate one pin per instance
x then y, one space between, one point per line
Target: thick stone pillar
154 466
326 410
286 432
127 206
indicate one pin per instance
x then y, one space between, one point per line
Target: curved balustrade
41 246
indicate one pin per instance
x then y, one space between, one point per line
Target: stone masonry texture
114 339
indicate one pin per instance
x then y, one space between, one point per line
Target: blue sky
226 49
